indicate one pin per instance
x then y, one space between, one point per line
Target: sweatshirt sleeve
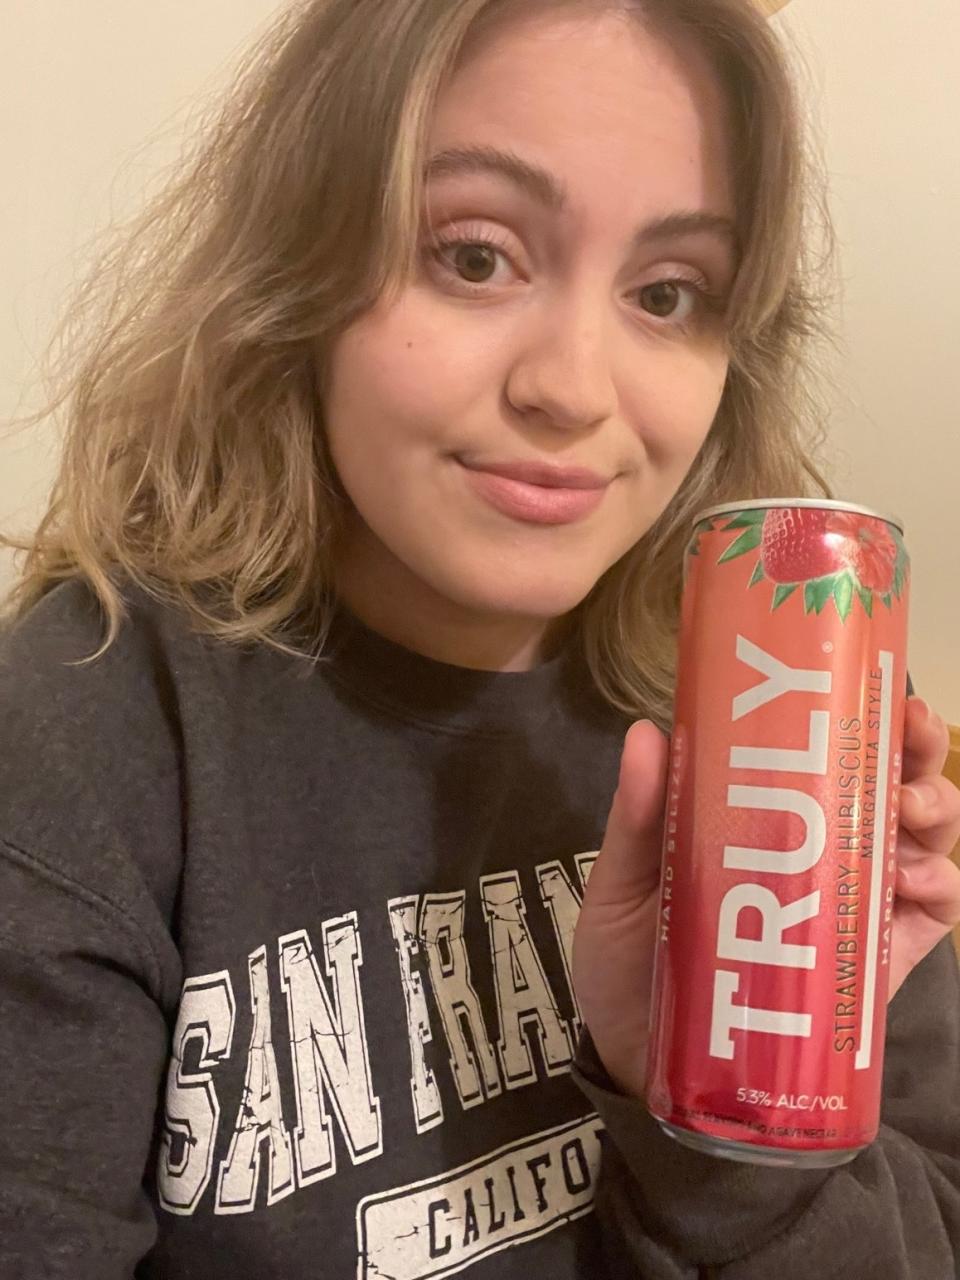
89 971
81 1056
893 1213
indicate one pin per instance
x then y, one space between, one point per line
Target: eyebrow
549 191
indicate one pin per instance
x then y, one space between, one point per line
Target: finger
915 934
926 740
629 863
909 849
930 812
934 884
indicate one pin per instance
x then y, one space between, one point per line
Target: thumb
628 867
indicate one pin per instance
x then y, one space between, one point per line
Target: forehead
620 115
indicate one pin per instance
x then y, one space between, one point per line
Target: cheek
398 377
374 386
676 415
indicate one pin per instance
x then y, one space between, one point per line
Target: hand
616 935
927 904
614 943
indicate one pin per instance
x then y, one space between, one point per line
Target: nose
563 372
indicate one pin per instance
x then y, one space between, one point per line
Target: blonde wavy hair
195 354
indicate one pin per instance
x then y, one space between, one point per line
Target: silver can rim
821 504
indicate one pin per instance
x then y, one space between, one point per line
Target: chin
531 594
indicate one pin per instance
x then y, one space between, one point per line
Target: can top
820 504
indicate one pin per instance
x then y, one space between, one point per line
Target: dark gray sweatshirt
285 988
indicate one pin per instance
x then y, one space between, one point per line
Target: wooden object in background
952 770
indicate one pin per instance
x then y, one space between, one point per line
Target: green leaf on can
749 540
705 526
817 592
783 592
745 520
902 566
843 595
887 599
866 599
758 574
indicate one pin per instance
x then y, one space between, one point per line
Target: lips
537 492
543 474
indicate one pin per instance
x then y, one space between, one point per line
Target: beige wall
96 93
884 82
94 101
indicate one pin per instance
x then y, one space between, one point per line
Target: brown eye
662 298
475 262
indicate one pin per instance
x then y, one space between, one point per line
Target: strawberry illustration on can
771 972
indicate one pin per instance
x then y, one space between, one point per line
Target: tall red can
772 966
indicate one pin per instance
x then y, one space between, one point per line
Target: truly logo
780 912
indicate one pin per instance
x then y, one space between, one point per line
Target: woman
380 479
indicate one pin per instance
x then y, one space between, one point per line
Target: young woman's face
525 412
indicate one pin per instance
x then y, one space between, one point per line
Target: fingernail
933 719
905 877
